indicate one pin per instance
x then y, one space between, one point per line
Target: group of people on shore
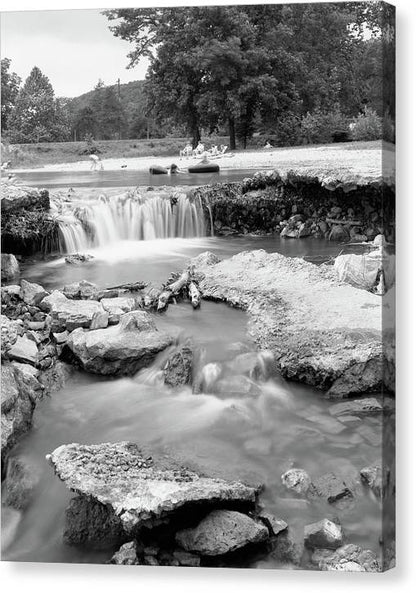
200 151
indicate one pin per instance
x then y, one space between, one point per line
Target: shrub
320 128
367 126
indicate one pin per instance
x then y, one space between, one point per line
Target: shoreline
358 159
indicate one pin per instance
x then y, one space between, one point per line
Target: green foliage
10 84
37 116
321 128
28 231
367 126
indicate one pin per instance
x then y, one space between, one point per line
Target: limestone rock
339 232
91 523
297 480
178 367
323 534
357 407
119 350
10 330
9 266
331 487
348 558
17 405
126 555
69 314
321 332
81 290
117 306
19 484
222 532
32 293
78 258
138 489
372 476
24 350
274 525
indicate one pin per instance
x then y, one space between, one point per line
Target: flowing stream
257 436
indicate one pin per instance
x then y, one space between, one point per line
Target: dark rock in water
19 484
357 407
78 258
372 476
9 266
297 479
126 555
323 534
274 525
186 558
32 293
178 367
339 232
349 558
91 523
140 490
55 377
119 350
222 532
331 487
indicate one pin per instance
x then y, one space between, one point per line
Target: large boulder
9 266
138 489
32 293
222 532
119 350
321 331
70 314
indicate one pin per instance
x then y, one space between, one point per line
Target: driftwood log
194 295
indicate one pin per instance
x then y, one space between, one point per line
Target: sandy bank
361 158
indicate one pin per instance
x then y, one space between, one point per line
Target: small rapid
130 216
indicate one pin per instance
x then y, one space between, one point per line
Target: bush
367 126
321 128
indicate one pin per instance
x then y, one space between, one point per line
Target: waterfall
136 217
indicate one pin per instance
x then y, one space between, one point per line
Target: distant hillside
91 112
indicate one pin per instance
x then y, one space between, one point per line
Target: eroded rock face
137 489
123 349
17 405
9 266
320 331
222 532
70 314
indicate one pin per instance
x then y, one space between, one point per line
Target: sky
73 48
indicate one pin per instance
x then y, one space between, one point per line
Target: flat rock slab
123 349
321 331
24 350
140 490
70 314
222 532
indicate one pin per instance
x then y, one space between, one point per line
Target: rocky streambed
157 505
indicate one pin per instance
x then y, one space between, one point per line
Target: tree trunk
196 136
231 127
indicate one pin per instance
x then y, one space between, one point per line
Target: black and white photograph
198 286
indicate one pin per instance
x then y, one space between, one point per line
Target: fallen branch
177 286
194 295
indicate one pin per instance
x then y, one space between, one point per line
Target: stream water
256 437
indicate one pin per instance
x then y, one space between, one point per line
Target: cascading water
133 217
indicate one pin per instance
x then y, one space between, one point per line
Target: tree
10 83
36 116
